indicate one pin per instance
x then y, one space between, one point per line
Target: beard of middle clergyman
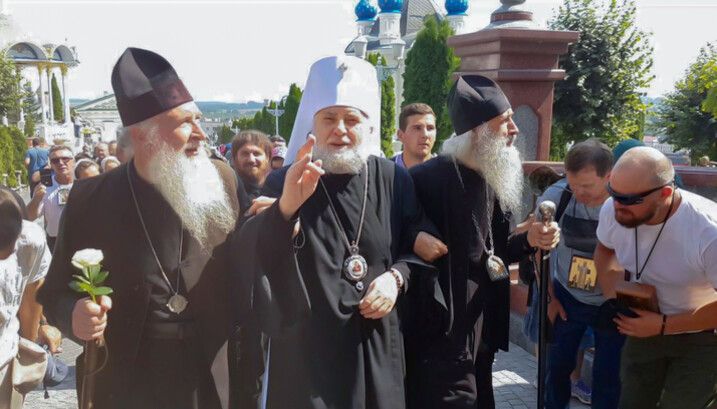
193 188
486 152
349 160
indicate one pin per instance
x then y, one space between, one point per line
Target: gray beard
349 161
499 164
346 162
194 189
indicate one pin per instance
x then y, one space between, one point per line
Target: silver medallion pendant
355 268
496 268
177 303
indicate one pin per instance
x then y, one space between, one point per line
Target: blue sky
238 50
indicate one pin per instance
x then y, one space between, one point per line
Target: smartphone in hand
46 177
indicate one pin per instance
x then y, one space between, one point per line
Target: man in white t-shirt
50 201
652 233
24 260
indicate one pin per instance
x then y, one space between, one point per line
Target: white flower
87 258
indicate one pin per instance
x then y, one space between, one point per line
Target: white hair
192 187
487 153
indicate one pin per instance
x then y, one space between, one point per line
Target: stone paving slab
513 374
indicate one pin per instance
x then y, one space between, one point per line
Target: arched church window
22 50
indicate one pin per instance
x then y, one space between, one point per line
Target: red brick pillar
523 59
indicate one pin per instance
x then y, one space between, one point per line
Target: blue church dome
365 11
390 6
456 7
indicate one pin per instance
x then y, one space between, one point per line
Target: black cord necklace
638 271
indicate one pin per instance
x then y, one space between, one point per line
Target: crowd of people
321 275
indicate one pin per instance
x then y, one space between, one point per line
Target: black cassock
325 354
443 351
146 371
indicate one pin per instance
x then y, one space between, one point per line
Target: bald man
654 234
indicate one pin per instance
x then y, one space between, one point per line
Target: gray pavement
513 374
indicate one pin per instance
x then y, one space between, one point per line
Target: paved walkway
513 374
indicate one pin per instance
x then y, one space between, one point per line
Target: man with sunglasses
655 234
50 201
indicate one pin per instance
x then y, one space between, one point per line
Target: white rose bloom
87 257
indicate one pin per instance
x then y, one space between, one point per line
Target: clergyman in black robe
162 221
453 332
342 346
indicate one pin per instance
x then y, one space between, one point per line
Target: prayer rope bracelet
398 278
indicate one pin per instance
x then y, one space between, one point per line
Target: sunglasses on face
637 198
57 160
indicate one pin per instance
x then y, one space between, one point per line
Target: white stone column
49 94
65 95
364 26
399 88
42 96
457 23
390 27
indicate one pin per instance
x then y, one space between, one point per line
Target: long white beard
500 165
194 189
347 161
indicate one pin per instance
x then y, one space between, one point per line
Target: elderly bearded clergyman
162 221
357 222
469 192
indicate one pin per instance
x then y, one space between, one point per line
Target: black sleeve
242 196
274 183
518 247
280 297
412 221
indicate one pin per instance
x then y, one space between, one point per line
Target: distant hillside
77 101
650 118
215 106
654 102
212 109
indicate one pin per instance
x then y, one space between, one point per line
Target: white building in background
100 119
38 61
392 31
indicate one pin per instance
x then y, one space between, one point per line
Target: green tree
57 101
685 117
19 148
7 156
225 135
29 130
606 71
266 122
388 107
291 108
10 93
708 77
429 66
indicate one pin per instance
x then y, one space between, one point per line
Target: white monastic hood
338 81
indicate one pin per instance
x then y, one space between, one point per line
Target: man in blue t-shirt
35 159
